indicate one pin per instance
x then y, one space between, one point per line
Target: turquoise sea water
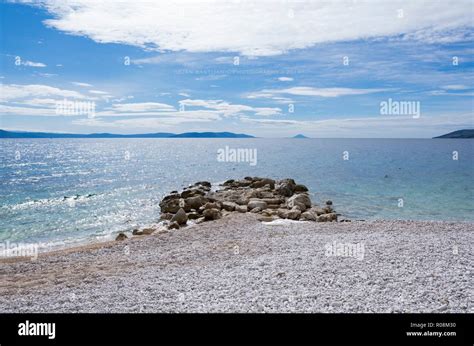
64 191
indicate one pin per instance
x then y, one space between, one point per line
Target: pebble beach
240 264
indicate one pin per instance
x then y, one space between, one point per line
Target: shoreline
214 266
94 245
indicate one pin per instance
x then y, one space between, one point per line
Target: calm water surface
64 191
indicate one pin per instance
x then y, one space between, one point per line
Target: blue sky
271 69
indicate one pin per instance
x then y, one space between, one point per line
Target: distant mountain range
469 133
22 134
300 136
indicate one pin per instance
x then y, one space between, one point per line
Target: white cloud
11 110
169 119
256 28
47 75
39 102
140 107
99 92
285 79
227 109
445 93
184 94
455 87
309 91
10 92
82 84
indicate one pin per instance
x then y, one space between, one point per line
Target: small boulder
283 213
195 202
170 204
121 236
300 188
203 183
229 206
327 210
180 217
327 217
263 182
308 216
257 204
166 216
213 205
192 193
147 231
286 187
241 208
256 210
317 210
136 232
242 200
294 214
212 214
301 201
328 202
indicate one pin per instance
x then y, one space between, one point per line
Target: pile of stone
266 197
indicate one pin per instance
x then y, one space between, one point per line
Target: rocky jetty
270 199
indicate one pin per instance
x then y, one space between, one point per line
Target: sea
65 192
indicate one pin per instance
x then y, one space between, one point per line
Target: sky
266 68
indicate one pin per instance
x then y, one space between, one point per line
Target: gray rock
300 198
256 204
285 187
229 206
241 208
212 214
166 216
294 214
317 210
147 231
195 202
308 216
327 217
192 193
203 183
283 213
242 200
180 217
300 188
263 182
170 204
327 209
121 236
213 205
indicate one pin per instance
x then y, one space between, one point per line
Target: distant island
300 136
459 134
24 134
